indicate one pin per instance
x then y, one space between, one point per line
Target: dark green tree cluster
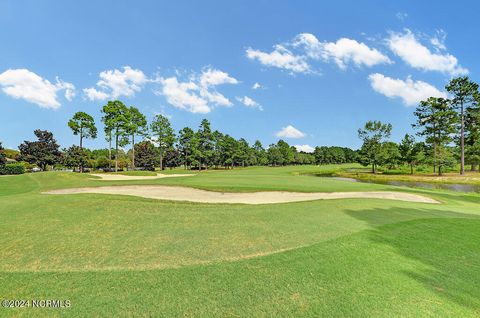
160 146
45 151
377 150
448 122
450 128
334 155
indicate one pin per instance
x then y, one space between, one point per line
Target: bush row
12 168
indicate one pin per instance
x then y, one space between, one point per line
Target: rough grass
127 256
450 177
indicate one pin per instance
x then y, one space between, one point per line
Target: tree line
161 146
449 127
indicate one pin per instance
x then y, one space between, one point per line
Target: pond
457 187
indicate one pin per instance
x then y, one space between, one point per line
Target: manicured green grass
128 256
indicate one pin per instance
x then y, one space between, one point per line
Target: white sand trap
121 177
196 195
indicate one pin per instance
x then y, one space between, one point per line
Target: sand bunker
121 177
196 195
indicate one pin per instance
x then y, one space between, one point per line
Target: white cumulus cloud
183 95
197 94
342 52
249 102
213 77
290 132
280 57
411 51
297 55
305 148
25 84
411 92
116 83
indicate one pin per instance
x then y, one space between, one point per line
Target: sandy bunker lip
121 177
176 193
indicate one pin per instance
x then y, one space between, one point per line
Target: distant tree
108 137
205 144
411 152
274 155
217 159
373 136
229 150
445 158
186 145
303 158
84 125
350 155
163 135
464 93
337 154
102 162
3 159
472 134
259 154
146 155
243 152
136 126
334 155
287 152
117 120
436 122
319 154
75 157
389 155
45 151
172 158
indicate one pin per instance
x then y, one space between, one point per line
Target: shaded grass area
141 234
128 256
395 270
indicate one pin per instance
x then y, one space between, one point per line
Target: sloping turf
126 256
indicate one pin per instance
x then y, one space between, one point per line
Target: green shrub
13 168
28 166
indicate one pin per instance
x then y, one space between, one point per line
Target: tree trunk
474 167
133 151
110 150
411 169
81 139
81 147
116 150
440 171
161 159
462 141
434 157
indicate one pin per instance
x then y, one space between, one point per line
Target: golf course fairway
121 255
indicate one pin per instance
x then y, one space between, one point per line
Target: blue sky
322 68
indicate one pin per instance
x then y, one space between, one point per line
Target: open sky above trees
311 74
